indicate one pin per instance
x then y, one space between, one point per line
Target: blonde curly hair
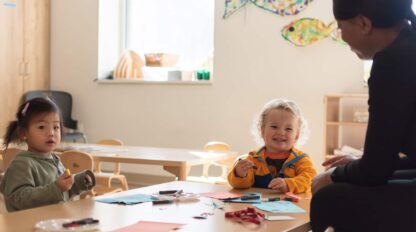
282 104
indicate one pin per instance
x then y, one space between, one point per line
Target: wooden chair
6 157
214 146
105 178
77 161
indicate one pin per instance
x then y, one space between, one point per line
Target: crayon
254 166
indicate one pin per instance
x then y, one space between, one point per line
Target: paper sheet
128 200
222 195
147 226
279 207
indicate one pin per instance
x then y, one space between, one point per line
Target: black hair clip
81 222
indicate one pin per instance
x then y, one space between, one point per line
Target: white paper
279 218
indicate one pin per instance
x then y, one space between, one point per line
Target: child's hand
242 167
279 184
65 182
88 180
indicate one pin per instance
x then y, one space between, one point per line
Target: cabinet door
11 55
36 44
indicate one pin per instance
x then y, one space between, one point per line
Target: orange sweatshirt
297 171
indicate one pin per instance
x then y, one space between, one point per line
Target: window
180 32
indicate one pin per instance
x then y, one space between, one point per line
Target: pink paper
222 195
146 226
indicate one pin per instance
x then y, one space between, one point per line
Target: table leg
180 171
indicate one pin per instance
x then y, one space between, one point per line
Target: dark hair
382 13
25 113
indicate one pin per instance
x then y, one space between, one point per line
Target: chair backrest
8 156
77 161
216 146
61 98
115 142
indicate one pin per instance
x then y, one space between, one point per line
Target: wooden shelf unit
339 127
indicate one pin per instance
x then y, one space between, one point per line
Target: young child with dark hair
36 177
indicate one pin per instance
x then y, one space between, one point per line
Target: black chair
64 102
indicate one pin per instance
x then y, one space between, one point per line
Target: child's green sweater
30 181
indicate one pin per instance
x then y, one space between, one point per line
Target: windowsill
148 82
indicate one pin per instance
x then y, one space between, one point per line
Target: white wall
252 64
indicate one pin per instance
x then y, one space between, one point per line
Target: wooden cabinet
36 44
345 121
24 53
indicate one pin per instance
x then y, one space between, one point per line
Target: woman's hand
65 182
279 184
242 167
321 180
338 160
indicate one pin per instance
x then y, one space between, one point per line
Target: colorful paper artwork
280 7
305 31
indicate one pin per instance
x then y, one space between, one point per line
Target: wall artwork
280 7
305 31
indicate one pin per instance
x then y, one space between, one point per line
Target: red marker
291 197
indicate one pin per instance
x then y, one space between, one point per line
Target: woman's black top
392 115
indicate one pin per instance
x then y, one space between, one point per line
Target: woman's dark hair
25 114
382 13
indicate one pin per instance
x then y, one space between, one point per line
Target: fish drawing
305 31
280 7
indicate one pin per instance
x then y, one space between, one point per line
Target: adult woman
361 194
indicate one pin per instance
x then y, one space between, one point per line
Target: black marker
165 192
80 222
245 198
158 202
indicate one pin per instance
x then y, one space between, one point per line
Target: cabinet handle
27 68
22 68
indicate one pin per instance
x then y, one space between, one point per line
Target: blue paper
128 200
238 200
279 207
